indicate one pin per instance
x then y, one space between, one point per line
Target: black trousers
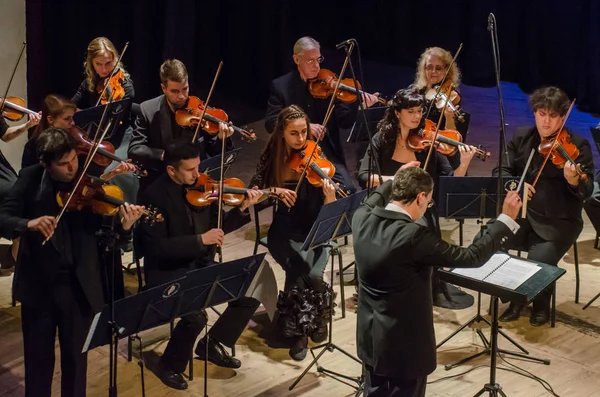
70 314
383 386
226 330
545 251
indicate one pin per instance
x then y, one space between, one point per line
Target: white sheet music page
484 271
513 273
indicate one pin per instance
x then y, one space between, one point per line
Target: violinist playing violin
553 219
187 239
58 283
292 89
8 175
392 151
431 69
156 126
100 63
304 287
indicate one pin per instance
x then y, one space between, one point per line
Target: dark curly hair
551 98
405 98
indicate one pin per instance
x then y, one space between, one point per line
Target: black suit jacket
555 209
32 196
290 89
394 257
154 129
174 246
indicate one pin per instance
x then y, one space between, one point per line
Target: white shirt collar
397 208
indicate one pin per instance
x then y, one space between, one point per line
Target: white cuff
508 221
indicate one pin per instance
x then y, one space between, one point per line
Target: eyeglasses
313 60
437 68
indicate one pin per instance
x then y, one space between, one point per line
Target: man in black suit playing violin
57 283
155 126
187 239
292 89
553 219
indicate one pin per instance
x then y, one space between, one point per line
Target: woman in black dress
391 152
303 305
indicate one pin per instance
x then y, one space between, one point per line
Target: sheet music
502 270
484 271
513 273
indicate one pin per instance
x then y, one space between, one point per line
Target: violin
105 153
561 150
323 85
103 199
189 116
447 141
115 86
319 168
446 93
206 191
15 108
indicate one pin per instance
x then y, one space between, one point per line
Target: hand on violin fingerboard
225 130
570 172
369 99
328 191
130 214
252 197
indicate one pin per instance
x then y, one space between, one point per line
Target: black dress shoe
170 378
299 349
319 335
216 354
512 313
539 317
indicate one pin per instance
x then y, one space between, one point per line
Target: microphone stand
492 28
349 47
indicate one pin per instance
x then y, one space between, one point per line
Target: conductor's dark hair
409 183
179 150
53 144
552 99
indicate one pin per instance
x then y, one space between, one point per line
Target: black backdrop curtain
542 42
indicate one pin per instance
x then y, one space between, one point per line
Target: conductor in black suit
58 283
187 239
156 127
395 257
292 89
553 219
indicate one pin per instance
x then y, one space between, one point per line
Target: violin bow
554 144
328 114
115 70
212 87
3 103
439 89
437 128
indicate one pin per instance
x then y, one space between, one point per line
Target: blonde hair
98 47
446 58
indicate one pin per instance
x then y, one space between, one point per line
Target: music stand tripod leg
591 301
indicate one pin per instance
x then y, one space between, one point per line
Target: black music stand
466 198
471 197
197 290
523 294
334 221
212 165
89 118
373 115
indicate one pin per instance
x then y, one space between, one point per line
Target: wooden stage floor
573 346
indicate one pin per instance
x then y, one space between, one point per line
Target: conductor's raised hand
512 204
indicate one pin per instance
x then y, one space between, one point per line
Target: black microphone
490 22
344 44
